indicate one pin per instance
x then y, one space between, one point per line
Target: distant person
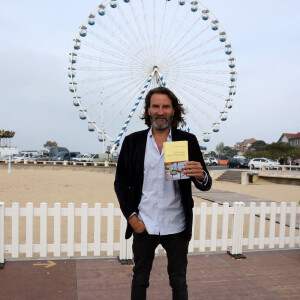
281 160
158 211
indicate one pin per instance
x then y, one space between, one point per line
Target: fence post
125 256
2 231
237 231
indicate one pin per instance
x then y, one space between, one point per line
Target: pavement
262 275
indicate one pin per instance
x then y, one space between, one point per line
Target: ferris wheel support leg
184 126
117 141
160 78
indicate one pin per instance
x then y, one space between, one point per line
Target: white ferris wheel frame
154 74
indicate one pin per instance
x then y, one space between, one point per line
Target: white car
257 163
213 161
207 161
24 156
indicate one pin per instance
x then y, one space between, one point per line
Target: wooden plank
202 239
71 215
29 229
57 229
282 224
262 224
43 229
110 229
272 221
214 227
2 232
15 230
84 228
97 229
225 226
251 225
292 224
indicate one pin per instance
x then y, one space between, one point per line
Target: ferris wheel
126 47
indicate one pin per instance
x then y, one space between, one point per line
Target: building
291 138
5 143
244 146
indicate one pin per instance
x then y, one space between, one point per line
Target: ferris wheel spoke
144 41
207 81
119 47
102 49
206 62
148 38
101 59
167 44
172 53
118 113
182 58
119 99
183 95
132 42
162 26
183 36
189 96
125 43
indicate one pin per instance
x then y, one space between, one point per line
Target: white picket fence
51 231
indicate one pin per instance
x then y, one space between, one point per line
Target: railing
79 232
283 168
62 163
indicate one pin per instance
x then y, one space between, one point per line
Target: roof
291 135
250 141
294 136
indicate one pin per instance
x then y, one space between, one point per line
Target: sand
90 186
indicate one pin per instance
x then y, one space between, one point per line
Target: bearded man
159 211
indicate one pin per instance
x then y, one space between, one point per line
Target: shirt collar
150 133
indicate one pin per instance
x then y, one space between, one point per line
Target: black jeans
144 245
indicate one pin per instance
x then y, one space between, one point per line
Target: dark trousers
144 245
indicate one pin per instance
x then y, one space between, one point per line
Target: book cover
175 156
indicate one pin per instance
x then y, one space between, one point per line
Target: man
158 211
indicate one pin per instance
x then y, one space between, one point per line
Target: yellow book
175 156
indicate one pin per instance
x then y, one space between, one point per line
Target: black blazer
130 175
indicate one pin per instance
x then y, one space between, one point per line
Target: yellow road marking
47 265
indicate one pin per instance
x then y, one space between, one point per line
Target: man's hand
137 225
194 168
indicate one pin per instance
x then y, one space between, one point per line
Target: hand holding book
195 169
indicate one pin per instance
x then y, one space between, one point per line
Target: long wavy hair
179 111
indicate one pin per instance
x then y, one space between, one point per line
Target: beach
91 185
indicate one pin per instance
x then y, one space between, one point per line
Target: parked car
256 163
296 162
65 156
213 161
26 155
207 161
237 163
95 157
53 151
78 157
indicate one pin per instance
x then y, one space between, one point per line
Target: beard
161 126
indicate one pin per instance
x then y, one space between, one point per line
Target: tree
227 151
274 151
50 144
213 154
220 148
257 144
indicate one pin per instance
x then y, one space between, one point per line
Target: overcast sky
37 38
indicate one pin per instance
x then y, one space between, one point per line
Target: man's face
161 111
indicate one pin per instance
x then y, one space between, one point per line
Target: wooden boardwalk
264 275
